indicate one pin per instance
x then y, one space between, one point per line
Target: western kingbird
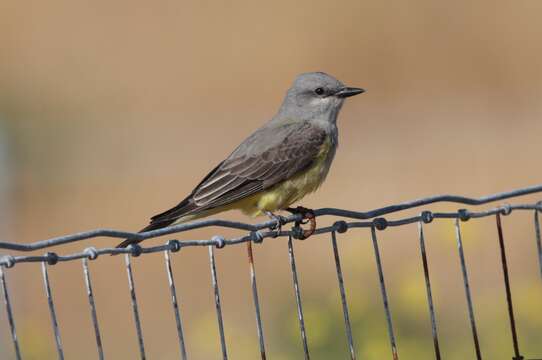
278 164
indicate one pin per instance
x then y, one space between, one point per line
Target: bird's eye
319 91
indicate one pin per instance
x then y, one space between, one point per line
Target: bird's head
316 95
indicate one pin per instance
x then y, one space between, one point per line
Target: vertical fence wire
135 310
538 239
297 292
507 288
51 303
429 292
340 280
175 304
259 326
467 290
384 295
217 303
9 312
90 295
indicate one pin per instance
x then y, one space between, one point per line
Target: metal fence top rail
257 234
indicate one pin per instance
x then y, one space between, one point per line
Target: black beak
349 91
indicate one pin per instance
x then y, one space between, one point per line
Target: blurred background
103 103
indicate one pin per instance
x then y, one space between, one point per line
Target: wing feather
268 157
204 198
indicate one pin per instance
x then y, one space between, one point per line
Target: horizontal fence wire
256 233
272 223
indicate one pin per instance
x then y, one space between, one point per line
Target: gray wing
267 157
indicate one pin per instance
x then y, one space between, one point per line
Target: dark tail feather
152 226
164 219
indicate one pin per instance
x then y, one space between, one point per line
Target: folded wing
266 158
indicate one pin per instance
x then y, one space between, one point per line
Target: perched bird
278 164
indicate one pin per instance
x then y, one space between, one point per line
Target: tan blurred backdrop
103 103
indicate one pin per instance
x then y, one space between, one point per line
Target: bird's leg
279 219
308 217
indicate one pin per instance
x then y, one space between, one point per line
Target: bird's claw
280 220
308 218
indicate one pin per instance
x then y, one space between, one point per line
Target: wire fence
256 233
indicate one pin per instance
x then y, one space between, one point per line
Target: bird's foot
308 217
280 220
